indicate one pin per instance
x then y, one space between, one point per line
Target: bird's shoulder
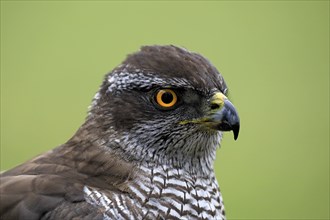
52 185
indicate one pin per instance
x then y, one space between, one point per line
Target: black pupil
167 97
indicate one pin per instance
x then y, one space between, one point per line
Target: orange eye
166 98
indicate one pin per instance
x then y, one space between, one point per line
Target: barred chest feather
161 193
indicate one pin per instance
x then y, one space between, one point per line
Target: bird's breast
162 193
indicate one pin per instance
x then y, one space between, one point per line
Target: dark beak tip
235 136
235 129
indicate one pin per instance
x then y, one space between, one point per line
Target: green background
274 56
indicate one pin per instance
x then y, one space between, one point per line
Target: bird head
163 104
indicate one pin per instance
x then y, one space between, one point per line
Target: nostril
215 106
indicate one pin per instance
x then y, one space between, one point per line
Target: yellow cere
219 99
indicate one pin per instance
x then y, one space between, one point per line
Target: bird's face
165 102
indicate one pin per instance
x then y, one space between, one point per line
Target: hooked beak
223 115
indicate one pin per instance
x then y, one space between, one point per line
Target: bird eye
166 98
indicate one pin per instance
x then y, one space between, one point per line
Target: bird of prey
145 151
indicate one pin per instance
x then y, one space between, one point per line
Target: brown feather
51 185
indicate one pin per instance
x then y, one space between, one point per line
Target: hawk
145 151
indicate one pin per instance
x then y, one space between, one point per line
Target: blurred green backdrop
274 56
